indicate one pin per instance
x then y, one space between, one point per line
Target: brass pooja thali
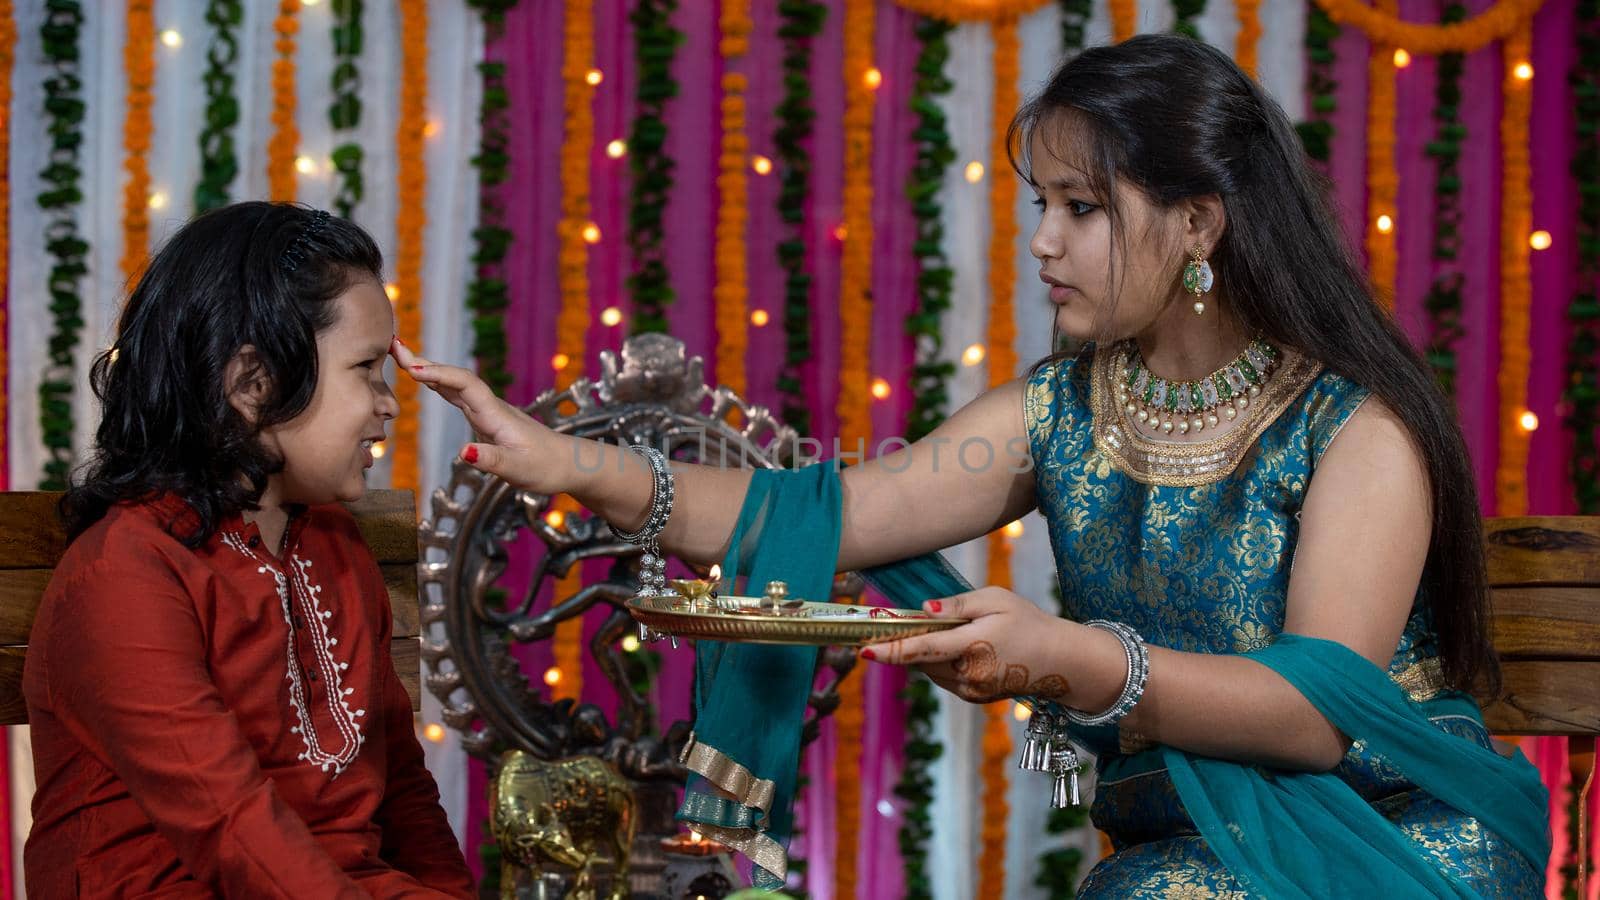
694 610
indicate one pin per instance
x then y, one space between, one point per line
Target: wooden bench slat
407 653
1543 550
22 589
388 522
1547 622
1547 697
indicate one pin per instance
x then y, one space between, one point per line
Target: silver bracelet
1138 673
652 565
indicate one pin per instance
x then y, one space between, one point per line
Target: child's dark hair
1176 118
263 274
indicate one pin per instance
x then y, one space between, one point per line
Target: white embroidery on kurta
322 644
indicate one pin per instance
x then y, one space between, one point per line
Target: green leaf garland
63 107
488 295
1316 132
655 44
1185 12
1443 301
1583 351
800 21
218 162
344 112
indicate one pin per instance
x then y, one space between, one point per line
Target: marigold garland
1247 44
572 322
855 351
1382 25
972 10
1383 181
733 211
1002 356
1516 289
285 140
139 67
1124 19
411 218
8 55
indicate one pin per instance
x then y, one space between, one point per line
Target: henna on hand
981 677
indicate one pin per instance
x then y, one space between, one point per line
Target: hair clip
295 254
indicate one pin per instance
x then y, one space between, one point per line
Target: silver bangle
653 564
1138 673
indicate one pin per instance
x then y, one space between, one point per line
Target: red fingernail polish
867 653
470 454
418 368
934 606
399 340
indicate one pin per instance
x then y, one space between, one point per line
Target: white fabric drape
454 48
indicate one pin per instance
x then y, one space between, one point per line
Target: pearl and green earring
1197 278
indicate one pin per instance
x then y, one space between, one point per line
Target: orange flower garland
1002 356
1383 181
855 399
732 209
285 140
572 271
972 10
1246 45
1124 20
410 219
1382 25
1516 221
139 65
8 56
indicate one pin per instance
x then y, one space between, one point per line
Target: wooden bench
32 540
1545 575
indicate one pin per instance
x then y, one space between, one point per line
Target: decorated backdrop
814 197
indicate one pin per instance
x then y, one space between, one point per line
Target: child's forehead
363 316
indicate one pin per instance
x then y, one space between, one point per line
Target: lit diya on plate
695 610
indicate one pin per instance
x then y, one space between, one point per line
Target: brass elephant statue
571 812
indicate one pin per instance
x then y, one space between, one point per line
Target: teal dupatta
1281 834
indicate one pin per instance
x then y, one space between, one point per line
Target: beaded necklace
1185 406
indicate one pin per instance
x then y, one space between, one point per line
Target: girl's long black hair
263 274
1176 118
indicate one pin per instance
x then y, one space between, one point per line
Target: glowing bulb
559 361
308 2
880 389
630 643
305 165
1020 713
378 450
172 38
158 200
611 316
1523 71
1401 58
1385 224
840 232
552 676
617 148
392 290
1539 240
556 518
973 354
872 78
433 127
974 172
594 77
1528 421
591 233
759 317
1014 529
762 165
434 732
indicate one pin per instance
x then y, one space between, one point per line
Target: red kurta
218 721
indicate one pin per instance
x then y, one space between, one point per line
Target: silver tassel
1036 749
1064 764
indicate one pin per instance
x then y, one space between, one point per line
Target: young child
214 710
